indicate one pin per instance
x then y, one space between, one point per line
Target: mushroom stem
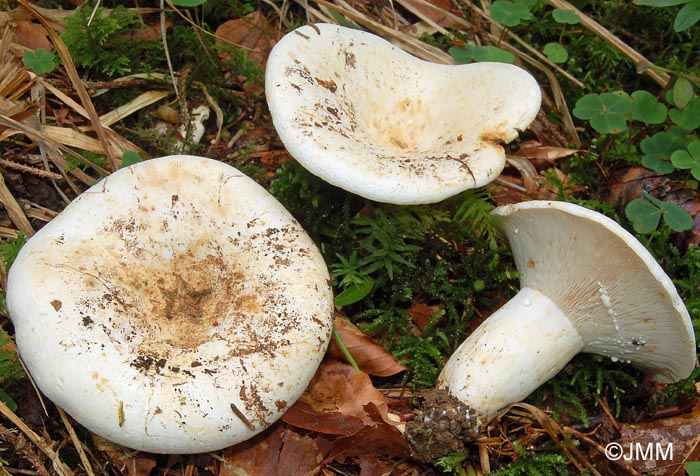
518 348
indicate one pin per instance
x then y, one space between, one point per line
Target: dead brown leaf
252 33
279 451
535 150
369 356
31 35
336 402
662 446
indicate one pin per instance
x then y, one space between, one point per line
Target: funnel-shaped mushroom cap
609 286
372 119
174 307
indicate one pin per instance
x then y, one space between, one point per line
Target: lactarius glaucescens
370 118
174 307
587 285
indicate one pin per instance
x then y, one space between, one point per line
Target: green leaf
567 17
660 3
688 159
473 53
682 93
130 158
677 218
556 53
508 13
8 400
608 113
188 3
40 60
354 293
692 468
688 16
643 215
658 149
689 117
647 109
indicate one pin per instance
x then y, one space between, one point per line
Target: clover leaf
658 149
39 60
555 52
647 109
608 113
565 16
645 213
688 159
688 117
510 13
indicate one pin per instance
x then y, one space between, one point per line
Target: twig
164 38
30 170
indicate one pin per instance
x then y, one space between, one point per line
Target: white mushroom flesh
174 307
522 345
372 119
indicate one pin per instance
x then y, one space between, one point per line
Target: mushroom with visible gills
587 285
370 118
174 307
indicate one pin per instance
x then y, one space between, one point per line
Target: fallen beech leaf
421 314
535 150
278 451
661 446
336 402
31 35
252 33
369 356
368 446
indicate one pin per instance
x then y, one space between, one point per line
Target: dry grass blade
136 104
560 437
39 137
37 440
76 442
78 85
412 45
643 64
118 143
14 210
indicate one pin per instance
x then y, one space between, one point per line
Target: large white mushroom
174 307
368 117
587 285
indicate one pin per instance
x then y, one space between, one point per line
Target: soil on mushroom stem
444 425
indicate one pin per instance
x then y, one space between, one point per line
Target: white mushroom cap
606 282
174 307
368 117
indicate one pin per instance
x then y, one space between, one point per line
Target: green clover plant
40 60
645 215
686 17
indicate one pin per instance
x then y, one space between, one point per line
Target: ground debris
443 425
